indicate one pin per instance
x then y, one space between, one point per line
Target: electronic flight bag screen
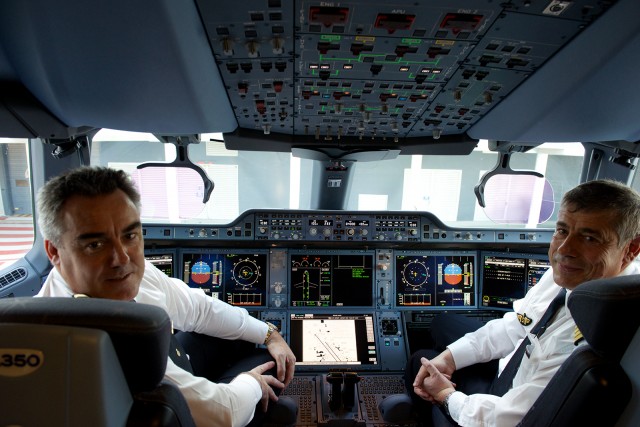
435 279
331 278
238 277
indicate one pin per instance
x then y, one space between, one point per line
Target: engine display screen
338 279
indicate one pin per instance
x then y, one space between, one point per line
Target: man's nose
120 254
568 245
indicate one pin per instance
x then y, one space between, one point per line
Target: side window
16 211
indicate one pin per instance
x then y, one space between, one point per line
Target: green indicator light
330 37
411 41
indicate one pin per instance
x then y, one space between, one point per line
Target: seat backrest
85 361
591 387
631 415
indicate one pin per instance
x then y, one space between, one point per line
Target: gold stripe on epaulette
577 336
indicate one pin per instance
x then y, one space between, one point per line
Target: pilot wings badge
523 319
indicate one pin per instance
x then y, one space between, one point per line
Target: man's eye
94 245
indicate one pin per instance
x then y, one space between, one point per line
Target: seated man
90 221
597 236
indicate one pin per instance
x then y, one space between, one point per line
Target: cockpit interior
457 114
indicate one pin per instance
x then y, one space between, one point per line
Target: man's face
102 251
585 247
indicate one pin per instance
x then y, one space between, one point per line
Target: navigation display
236 276
337 279
435 279
320 340
507 277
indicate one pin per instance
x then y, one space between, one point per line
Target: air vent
13 277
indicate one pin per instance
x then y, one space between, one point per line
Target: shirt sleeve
496 339
484 410
217 404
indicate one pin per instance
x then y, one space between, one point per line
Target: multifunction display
507 277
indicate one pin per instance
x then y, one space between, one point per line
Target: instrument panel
371 228
352 289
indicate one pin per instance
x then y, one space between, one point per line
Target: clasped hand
433 381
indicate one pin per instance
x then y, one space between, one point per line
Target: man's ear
52 252
633 250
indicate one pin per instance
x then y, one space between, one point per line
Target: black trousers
445 329
220 361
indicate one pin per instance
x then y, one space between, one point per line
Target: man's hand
282 354
430 383
266 382
443 362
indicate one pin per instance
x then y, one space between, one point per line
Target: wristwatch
445 403
271 329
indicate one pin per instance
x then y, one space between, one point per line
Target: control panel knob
276 235
398 236
326 232
351 231
263 230
413 232
313 231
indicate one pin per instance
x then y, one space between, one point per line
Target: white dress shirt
500 338
211 404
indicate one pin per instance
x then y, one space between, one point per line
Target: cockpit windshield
243 180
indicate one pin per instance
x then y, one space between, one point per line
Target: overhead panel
359 72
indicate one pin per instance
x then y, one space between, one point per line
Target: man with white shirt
597 235
90 220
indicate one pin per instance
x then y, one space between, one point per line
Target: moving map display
237 277
444 279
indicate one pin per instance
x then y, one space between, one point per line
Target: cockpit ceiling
352 74
378 69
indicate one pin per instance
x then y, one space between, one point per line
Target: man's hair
85 181
610 196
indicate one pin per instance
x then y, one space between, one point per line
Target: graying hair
612 196
85 181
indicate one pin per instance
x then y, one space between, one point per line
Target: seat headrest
605 312
140 333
